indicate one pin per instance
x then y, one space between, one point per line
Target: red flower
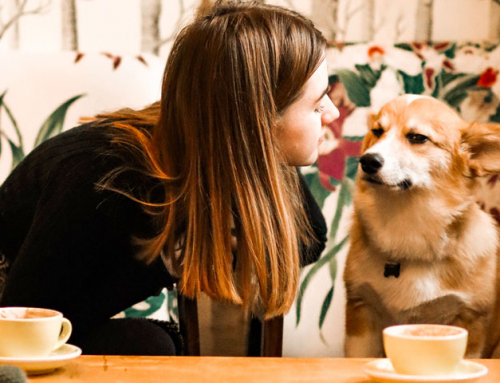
429 74
375 49
447 64
332 165
79 56
488 78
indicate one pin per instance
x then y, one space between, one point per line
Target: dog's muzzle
371 163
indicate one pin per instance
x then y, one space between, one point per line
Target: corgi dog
422 250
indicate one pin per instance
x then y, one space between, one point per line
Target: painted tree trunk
14 34
325 16
10 15
370 20
150 16
495 21
423 28
69 36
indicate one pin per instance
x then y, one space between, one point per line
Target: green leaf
357 91
172 307
457 90
354 138
351 167
447 77
412 84
450 52
53 125
496 116
333 79
325 306
405 46
17 153
333 269
154 302
487 48
328 299
437 87
334 181
16 127
318 191
343 200
368 75
312 272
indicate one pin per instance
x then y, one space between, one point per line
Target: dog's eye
416 138
378 132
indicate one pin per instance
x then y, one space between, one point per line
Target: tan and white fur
414 206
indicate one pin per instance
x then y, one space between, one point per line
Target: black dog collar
392 270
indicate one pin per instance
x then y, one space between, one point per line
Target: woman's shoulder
89 143
81 155
88 137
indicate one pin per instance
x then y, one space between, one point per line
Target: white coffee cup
425 349
27 332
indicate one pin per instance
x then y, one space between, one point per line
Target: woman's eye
320 109
378 132
416 138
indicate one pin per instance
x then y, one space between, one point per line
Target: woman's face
299 128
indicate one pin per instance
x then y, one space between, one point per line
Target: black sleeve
312 253
78 256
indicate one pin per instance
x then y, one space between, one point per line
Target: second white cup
425 349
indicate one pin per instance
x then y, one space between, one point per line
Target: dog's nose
371 162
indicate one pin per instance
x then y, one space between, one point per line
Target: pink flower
332 164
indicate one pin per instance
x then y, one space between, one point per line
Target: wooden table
138 369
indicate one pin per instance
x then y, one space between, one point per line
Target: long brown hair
230 74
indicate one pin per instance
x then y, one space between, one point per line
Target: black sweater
70 245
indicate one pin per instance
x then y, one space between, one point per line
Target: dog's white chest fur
416 284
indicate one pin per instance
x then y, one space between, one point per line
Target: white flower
469 59
388 87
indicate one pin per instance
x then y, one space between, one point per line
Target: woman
200 188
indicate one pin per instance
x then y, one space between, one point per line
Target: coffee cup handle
65 333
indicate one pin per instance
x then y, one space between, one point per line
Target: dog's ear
482 141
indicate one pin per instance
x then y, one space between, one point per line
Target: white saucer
46 364
381 370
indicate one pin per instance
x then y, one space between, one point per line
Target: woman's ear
482 141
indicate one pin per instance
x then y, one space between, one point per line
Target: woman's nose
330 113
